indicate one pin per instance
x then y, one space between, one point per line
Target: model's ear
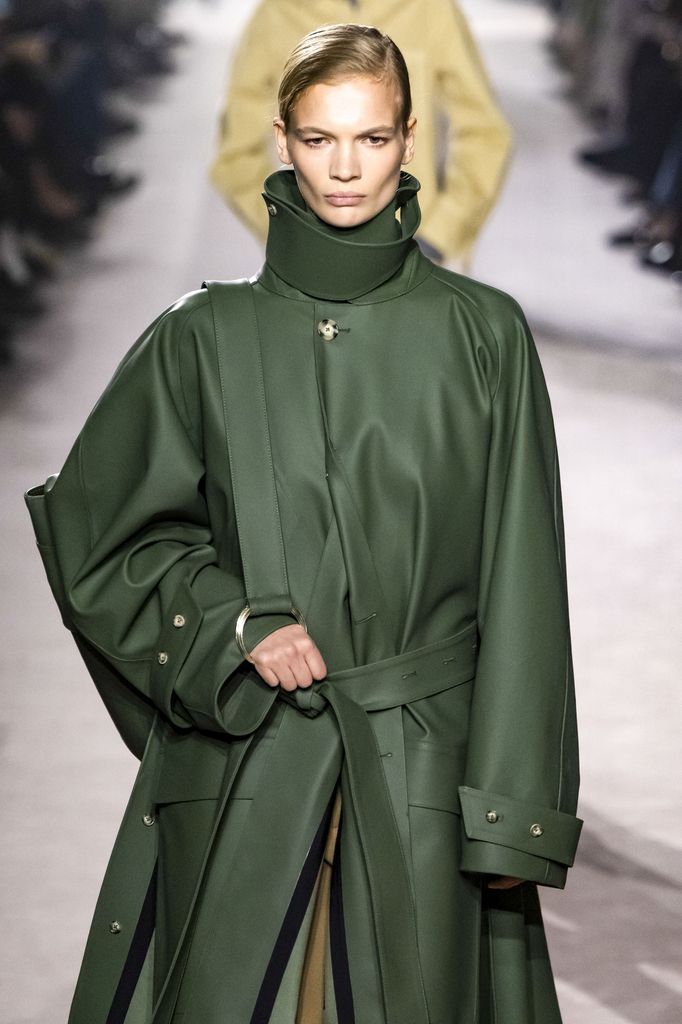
281 141
409 133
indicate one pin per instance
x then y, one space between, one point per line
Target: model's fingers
316 662
289 658
505 883
267 675
286 677
301 671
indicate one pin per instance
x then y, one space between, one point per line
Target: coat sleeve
245 150
479 142
519 800
135 547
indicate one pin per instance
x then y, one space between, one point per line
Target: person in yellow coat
464 139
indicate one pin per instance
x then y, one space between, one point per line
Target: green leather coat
419 497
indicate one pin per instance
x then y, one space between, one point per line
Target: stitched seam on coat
514 306
81 480
563 736
183 326
566 666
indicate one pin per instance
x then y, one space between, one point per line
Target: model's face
347 145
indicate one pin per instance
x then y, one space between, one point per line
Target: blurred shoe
633 195
18 300
102 180
6 346
614 160
44 260
599 115
113 183
636 235
172 37
663 255
152 50
62 232
117 123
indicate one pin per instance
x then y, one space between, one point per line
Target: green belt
350 694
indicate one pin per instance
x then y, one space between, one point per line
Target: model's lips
345 198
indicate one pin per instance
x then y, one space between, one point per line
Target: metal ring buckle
241 622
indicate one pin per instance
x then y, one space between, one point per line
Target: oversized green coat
418 489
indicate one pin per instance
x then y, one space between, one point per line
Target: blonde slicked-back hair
335 52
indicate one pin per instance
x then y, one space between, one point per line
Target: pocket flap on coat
433 774
192 768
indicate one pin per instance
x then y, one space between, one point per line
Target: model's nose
345 165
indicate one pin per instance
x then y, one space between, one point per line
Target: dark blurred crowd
68 72
625 58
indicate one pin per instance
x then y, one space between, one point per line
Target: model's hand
504 882
288 658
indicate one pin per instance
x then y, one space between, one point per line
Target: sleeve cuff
178 633
198 676
513 837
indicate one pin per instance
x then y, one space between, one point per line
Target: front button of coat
148 820
179 621
114 928
162 657
272 209
328 329
536 831
492 817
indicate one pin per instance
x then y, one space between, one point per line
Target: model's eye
376 140
315 141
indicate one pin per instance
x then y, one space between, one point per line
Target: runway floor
610 338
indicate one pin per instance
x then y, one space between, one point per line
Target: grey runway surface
610 339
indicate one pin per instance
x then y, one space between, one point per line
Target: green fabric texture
417 487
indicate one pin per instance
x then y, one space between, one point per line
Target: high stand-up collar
333 263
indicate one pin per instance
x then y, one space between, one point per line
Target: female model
310 545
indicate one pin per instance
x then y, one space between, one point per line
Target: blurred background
109 120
